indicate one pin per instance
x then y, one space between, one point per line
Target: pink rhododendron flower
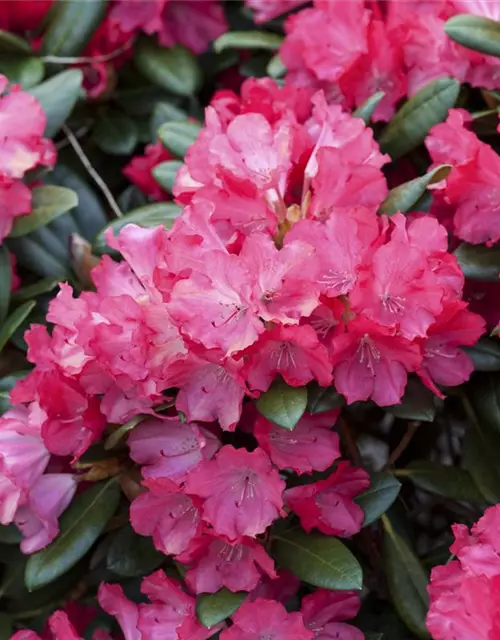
22 15
324 613
242 492
265 10
266 619
311 446
139 171
464 593
328 505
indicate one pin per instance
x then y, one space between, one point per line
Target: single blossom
324 613
140 171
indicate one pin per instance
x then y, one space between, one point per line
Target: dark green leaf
27 71
365 111
282 404
33 290
485 398
479 262
412 122
165 172
275 67
49 202
179 136
5 282
58 95
31 255
321 399
475 32
10 43
151 215
445 481
10 534
15 319
404 197
80 526
485 354
115 133
384 489
480 458
175 69
407 580
72 24
417 403
212 608
248 40
322 561
132 555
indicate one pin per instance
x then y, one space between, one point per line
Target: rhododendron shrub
248 320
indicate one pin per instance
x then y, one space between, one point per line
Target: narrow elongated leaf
11 43
151 215
212 608
14 321
165 172
33 290
31 255
116 134
179 136
383 491
407 580
365 111
248 40
58 95
485 354
445 481
80 526
485 398
175 69
322 561
5 282
282 404
475 32
72 24
480 458
27 71
404 197
418 403
49 202
479 262
412 122
132 555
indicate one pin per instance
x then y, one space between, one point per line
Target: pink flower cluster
22 148
353 49
465 593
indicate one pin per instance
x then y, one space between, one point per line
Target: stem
405 441
349 442
88 59
91 171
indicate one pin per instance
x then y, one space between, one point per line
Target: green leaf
404 197
321 399
10 43
485 354
212 608
418 403
80 526
412 122
177 137
407 580
115 133
442 480
322 561
365 111
165 172
275 67
151 215
31 255
475 32
383 491
27 71
479 262
175 69
132 555
33 290
5 282
10 534
58 95
49 202
248 40
485 399
480 458
15 319
282 404
72 24
121 431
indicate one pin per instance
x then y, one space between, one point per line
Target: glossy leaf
485 354
383 491
165 172
404 197
485 399
14 321
212 608
480 458
177 137
320 399
33 256
72 24
417 403
365 111
5 282
406 578
479 262
248 40
282 404
58 96
322 561
151 215
442 480
27 71
412 122
48 203
174 69
33 290
80 526
116 134
132 555
475 32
